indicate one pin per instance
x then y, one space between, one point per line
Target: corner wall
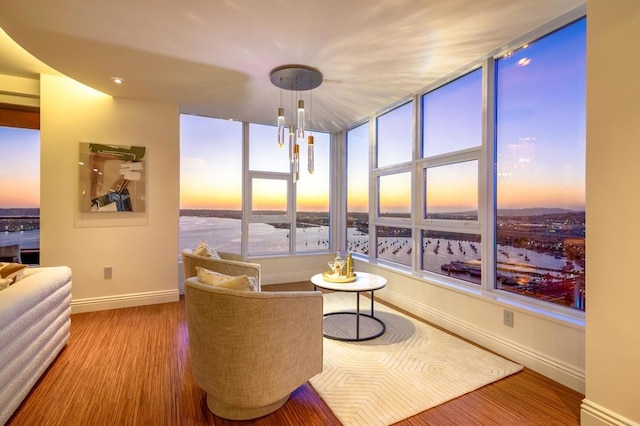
140 247
613 200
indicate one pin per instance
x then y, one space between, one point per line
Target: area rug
409 369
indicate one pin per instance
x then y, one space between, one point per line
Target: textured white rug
409 369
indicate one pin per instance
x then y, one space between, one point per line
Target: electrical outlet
108 272
508 318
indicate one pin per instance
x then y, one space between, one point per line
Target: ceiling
214 57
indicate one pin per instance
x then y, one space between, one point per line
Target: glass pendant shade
296 157
310 154
281 127
301 119
292 142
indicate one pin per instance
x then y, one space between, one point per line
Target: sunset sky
542 123
19 167
540 148
211 167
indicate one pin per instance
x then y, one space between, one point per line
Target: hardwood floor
131 367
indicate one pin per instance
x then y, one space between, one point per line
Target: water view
20 226
539 253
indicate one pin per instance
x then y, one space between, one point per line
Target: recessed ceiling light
117 80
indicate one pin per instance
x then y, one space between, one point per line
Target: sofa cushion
12 271
217 279
205 250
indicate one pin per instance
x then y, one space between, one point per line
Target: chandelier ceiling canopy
296 77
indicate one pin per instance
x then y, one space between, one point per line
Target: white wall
613 204
140 247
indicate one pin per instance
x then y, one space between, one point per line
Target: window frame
549 309
370 125
422 164
375 220
290 217
485 154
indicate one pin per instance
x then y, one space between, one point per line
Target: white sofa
35 318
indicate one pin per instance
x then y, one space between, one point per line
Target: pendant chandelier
297 79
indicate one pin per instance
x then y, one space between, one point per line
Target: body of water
26 239
224 234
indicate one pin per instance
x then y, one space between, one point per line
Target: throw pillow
12 271
205 250
238 283
217 279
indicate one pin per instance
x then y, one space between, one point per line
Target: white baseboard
92 304
592 414
556 370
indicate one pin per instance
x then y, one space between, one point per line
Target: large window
492 194
450 243
210 183
20 183
312 197
540 182
358 189
289 201
393 185
270 185
273 213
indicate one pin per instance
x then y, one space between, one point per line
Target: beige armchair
10 253
230 264
249 350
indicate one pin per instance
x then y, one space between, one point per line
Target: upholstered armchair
229 264
10 253
249 350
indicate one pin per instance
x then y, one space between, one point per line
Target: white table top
364 282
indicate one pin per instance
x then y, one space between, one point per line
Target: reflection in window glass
395 195
312 192
452 116
394 244
540 217
395 136
451 191
264 153
210 183
269 196
358 189
452 254
265 238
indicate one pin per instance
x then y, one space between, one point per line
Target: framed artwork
112 178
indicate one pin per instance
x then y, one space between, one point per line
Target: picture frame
112 178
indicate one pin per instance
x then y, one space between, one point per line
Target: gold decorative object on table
342 270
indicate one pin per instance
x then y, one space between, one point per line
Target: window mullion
486 209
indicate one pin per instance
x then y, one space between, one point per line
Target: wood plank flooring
131 367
